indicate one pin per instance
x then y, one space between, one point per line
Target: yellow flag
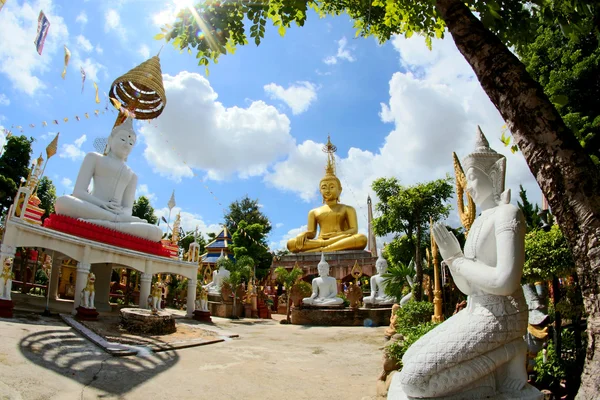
67 58
96 87
52 147
66 119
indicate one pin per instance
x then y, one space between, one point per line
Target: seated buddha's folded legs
140 229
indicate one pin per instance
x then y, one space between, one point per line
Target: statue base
369 305
97 233
6 308
202 316
225 310
86 314
527 393
341 316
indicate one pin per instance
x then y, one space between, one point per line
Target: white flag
171 202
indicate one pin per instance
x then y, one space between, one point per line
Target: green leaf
514 148
560 100
159 36
505 139
281 30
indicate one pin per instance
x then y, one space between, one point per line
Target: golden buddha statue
338 226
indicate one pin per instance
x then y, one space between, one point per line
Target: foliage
246 210
214 27
40 277
342 296
399 251
304 288
14 165
46 192
288 279
239 271
250 240
142 209
396 278
408 209
546 255
529 211
568 68
551 372
412 314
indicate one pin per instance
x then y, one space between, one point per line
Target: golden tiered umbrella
139 93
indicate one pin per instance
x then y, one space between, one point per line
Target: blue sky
256 124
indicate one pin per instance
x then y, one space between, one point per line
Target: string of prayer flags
67 58
42 31
82 78
97 98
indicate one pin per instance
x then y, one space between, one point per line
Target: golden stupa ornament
330 149
139 93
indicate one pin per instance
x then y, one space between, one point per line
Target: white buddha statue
480 351
324 288
378 284
219 275
109 203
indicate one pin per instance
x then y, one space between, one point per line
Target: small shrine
93 231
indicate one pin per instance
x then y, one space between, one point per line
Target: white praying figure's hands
446 242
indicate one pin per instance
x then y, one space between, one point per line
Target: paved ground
42 358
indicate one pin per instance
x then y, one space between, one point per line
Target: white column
191 296
54 275
83 270
145 286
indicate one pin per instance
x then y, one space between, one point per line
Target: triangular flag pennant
52 147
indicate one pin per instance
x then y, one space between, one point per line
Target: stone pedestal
202 316
225 310
6 308
137 320
341 316
86 314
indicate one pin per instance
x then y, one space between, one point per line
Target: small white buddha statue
378 284
478 352
219 275
324 288
110 202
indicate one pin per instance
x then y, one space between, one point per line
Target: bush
343 297
304 288
412 314
551 372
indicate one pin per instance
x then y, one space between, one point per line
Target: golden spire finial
330 149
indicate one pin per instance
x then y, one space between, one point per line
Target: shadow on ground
70 355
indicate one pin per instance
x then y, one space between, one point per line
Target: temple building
217 247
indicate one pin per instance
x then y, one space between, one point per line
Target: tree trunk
287 309
418 289
557 317
563 170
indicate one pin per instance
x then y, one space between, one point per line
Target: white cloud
19 60
84 44
99 49
82 18
67 183
142 190
435 108
279 225
189 221
197 131
73 150
144 51
298 96
89 65
343 53
112 22
4 100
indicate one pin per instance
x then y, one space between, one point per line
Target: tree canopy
14 165
46 192
546 255
250 240
142 209
408 209
568 68
247 210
